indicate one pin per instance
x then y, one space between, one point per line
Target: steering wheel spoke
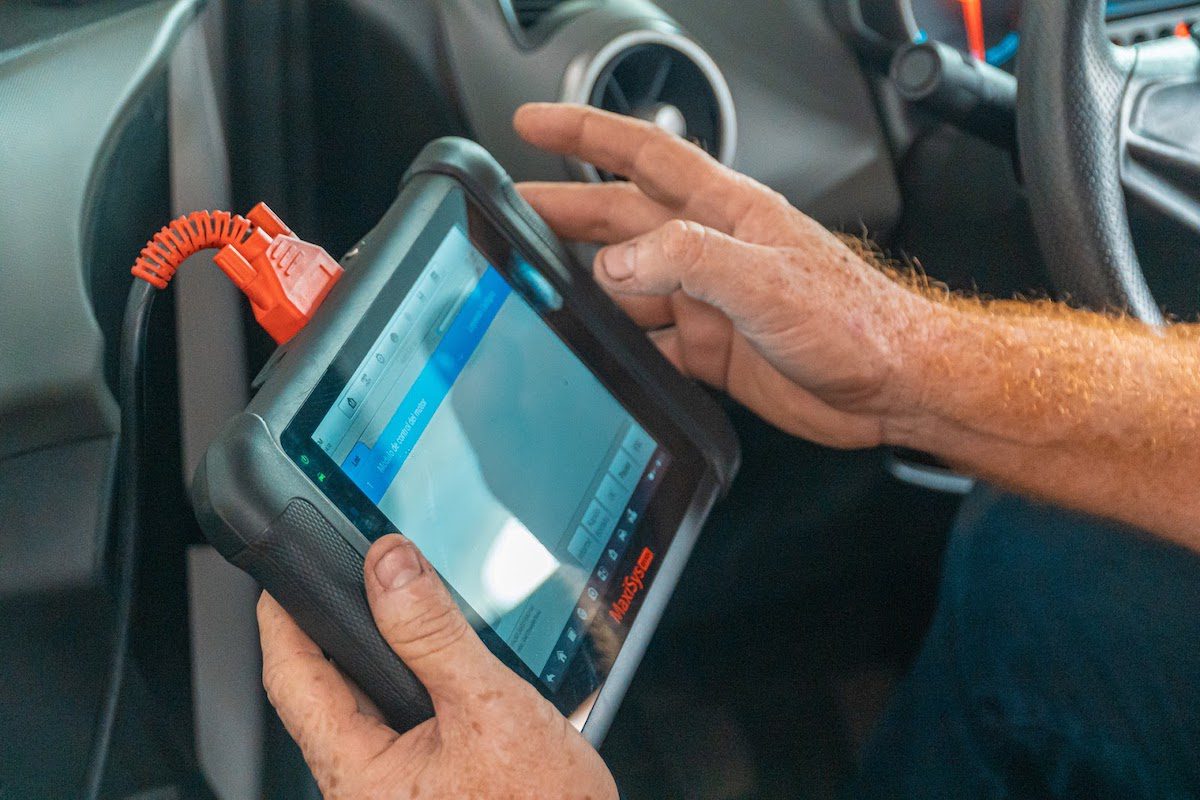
1160 131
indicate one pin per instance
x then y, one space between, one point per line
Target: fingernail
619 261
398 566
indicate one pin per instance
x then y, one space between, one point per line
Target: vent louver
664 78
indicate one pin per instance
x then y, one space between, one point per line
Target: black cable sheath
130 393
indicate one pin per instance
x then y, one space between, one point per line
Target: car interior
811 586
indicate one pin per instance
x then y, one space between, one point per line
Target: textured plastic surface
263 523
1070 84
330 600
264 515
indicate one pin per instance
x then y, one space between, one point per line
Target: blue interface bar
374 468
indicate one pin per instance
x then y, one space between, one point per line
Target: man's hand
738 288
743 291
492 736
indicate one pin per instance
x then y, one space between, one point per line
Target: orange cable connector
285 277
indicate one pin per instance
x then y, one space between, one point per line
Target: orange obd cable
285 277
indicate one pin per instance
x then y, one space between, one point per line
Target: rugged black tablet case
266 517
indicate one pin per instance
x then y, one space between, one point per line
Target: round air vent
664 78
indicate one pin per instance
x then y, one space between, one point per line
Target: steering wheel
1094 122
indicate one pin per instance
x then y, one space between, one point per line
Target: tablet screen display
468 424
480 435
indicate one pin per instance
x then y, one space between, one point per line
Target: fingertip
533 192
266 605
383 544
618 262
548 124
270 614
521 116
392 562
529 118
527 110
647 311
278 632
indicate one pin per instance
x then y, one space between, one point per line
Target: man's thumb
418 618
740 278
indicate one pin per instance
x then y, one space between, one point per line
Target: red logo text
634 582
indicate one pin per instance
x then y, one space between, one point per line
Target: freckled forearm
1097 414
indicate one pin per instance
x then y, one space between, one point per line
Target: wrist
923 371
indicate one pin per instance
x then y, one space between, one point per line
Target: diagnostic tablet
463 385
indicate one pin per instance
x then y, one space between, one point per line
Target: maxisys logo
634 582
